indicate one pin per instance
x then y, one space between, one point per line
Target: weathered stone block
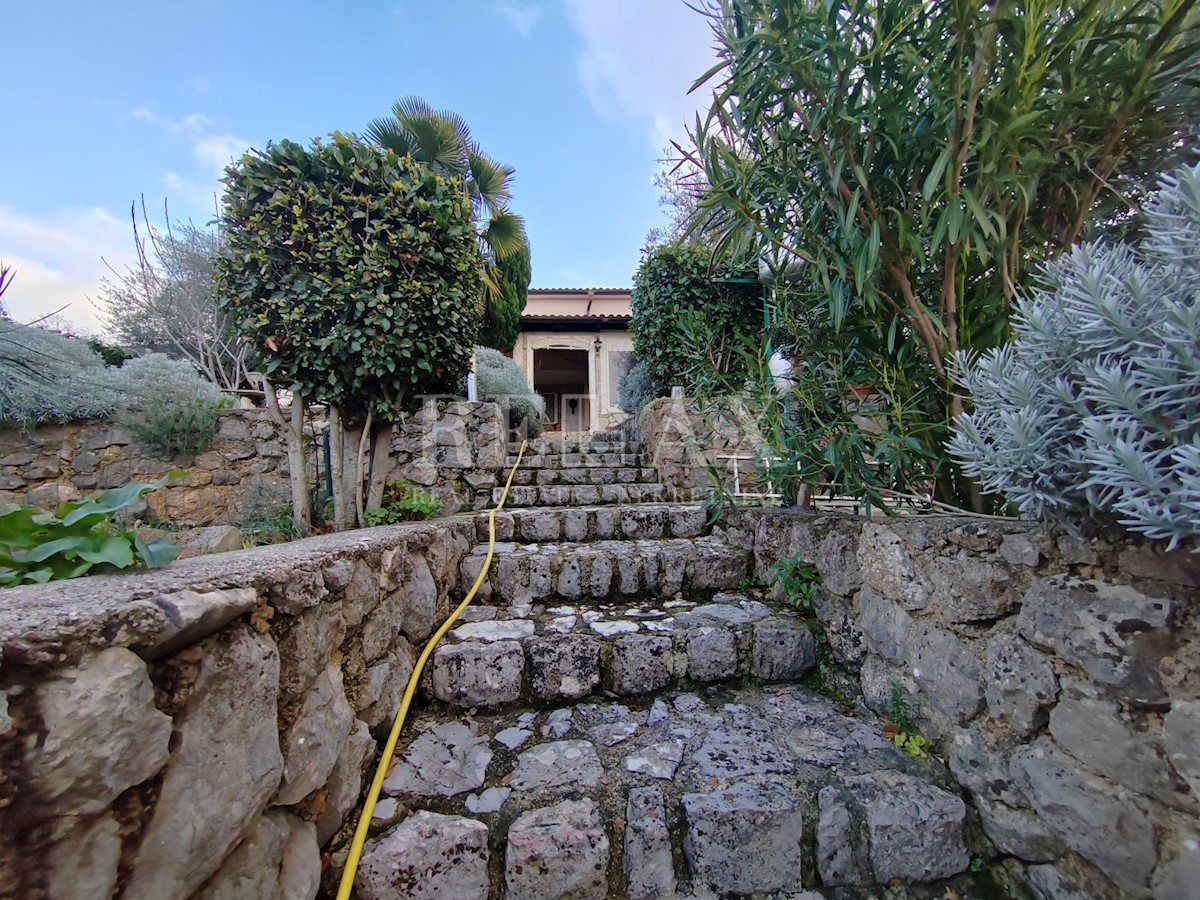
649 869
947 671
426 856
307 647
1108 630
889 568
213 786
744 840
557 764
782 651
194 616
1181 740
965 588
102 735
342 790
410 604
1019 683
1093 730
564 666
278 858
640 664
1018 832
558 851
447 759
475 674
711 654
312 744
840 858
885 624
914 829
82 864
1094 818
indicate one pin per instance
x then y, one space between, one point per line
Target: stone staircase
615 717
579 470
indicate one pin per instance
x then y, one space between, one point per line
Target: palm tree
442 140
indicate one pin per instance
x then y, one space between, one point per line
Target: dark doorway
561 376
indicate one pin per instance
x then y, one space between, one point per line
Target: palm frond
436 143
391 134
505 234
491 181
411 107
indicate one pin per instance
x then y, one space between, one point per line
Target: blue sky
110 101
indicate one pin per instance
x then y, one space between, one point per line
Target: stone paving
613 717
727 791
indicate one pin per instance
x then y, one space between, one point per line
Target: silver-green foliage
499 378
50 377
1093 411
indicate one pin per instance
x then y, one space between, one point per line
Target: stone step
575 443
578 461
581 494
725 792
601 570
597 523
585 475
541 654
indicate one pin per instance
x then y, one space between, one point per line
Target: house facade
574 346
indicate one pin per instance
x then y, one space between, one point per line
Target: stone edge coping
58 623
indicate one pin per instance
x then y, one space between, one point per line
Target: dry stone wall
245 472
454 449
685 444
1062 675
203 730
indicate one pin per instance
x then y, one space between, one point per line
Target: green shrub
81 539
499 378
355 273
403 501
636 388
167 406
797 578
1091 412
674 284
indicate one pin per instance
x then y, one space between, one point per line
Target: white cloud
59 260
640 59
522 16
211 152
215 151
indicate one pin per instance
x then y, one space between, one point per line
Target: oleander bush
1092 413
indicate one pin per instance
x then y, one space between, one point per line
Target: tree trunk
381 459
293 433
343 512
298 469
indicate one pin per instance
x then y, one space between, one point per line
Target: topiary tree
355 273
1093 411
673 284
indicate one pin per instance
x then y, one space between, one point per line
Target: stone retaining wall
1063 676
685 445
452 448
202 730
245 473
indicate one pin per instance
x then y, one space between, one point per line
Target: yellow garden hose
364 820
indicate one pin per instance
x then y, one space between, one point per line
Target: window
619 362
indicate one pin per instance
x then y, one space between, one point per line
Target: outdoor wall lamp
598 344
